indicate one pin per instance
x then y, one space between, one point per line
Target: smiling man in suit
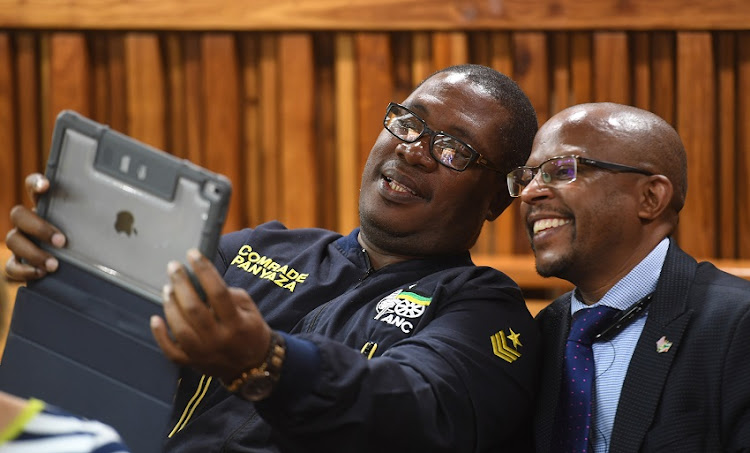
664 366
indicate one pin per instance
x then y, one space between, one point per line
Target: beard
386 237
417 243
557 267
558 264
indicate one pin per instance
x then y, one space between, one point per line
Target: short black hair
517 133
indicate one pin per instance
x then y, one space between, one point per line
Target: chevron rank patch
501 348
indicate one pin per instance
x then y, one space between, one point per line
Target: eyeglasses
455 154
562 169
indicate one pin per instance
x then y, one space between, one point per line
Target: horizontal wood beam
522 270
383 15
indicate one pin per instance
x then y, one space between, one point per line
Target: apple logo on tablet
124 223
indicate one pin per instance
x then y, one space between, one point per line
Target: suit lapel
668 317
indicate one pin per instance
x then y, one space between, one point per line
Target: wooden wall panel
742 190
146 106
501 231
374 90
531 71
449 48
611 67
664 80
270 117
252 163
109 80
174 62
69 75
582 71
492 49
299 165
421 57
9 175
291 117
479 50
101 101
346 120
695 113
325 128
501 52
401 50
45 68
27 93
641 54
561 72
220 91
194 113
118 86
726 155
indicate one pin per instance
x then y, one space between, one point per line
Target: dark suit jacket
694 397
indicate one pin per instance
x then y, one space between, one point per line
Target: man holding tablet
385 339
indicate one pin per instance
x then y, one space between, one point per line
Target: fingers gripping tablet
126 208
196 283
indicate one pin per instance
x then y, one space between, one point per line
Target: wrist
258 382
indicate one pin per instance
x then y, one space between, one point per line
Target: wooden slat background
287 97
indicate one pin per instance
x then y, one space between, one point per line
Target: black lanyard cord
623 320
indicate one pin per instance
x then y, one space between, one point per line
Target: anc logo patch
501 348
399 307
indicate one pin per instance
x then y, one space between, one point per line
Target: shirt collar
640 282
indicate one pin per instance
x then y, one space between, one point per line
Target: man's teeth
398 187
544 224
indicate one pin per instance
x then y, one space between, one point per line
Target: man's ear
656 196
498 204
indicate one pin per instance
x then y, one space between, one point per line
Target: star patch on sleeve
502 349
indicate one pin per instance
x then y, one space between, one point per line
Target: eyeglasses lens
403 124
451 152
445 149
518 179
560 169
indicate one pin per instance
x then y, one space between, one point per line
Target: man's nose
417 153
535 190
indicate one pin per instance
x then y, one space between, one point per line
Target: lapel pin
663 345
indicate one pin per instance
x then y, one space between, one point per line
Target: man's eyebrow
455 131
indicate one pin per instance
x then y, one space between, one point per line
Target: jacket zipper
320 309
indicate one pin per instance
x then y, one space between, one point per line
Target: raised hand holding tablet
220 337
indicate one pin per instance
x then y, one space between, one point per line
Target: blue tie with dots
574 407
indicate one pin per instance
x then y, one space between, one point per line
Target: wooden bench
539 291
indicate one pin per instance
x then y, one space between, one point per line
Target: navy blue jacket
433 355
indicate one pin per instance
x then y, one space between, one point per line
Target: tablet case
84 344
80 337
126 208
